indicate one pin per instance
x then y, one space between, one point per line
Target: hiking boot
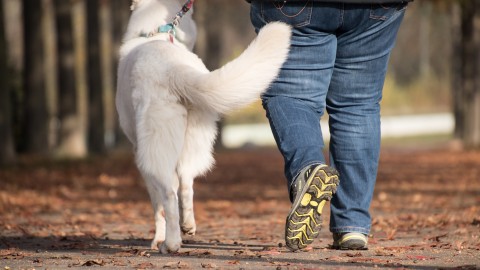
350 241
311 190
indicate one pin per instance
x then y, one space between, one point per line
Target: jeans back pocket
384 11
294 13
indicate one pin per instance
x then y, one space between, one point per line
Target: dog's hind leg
195 160
187 218
160 137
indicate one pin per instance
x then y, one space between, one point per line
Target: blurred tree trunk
424 38
35 127
456 60
209 43
107 60
96 127
7 153
51 74
71 139
473 98
121 14
467 107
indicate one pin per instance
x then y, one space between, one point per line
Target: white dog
168 104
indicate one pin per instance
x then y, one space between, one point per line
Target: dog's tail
242 80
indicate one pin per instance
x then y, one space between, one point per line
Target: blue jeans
337 62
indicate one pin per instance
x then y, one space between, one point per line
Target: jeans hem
349 229
303 168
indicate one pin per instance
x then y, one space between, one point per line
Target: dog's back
158 73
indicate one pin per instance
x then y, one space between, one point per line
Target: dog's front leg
165 204
173 239
159 213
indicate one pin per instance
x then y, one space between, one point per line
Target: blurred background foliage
58 66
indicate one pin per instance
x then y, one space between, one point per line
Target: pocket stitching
308 8
384 18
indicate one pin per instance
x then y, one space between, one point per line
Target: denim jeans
337 63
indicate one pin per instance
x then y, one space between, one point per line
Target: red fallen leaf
236 262
419 257
309 248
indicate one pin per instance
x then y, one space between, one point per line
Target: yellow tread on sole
304 221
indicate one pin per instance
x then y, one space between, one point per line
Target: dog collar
163 29
169 28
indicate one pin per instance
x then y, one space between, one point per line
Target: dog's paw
157 240
172 248
155 244
190 230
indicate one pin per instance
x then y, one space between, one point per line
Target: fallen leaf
383 252
335 258
419 257
175 265
363 260
358 254
145 265
269 252
198 252
391 234
437 238
93 262
209 265
245 253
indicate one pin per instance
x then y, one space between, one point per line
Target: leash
169 28
186 7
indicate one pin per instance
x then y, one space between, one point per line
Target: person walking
337 64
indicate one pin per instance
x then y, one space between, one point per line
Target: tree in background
96 126
466 71
71 138
35 126
120 15
222 36
7 153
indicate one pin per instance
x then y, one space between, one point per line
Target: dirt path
96 213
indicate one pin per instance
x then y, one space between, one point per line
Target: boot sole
304 220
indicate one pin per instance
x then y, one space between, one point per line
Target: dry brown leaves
425 202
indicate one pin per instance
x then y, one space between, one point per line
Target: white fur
168 104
